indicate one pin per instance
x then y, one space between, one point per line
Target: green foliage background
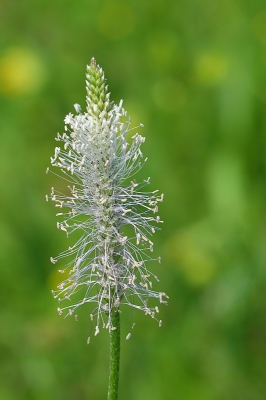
194 72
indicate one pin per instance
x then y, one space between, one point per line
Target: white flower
105 266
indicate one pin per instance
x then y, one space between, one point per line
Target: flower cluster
105 266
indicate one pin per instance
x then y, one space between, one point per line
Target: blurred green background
194 72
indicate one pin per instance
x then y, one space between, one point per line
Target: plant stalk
114 356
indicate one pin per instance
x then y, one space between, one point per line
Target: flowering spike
105 266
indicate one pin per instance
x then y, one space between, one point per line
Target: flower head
105 266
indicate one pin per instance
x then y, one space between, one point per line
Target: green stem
114 356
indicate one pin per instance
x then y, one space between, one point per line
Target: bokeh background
194 72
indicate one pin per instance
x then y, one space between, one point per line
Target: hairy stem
114 356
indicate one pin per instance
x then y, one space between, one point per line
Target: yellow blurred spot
259 26
162 48
169 95
21 71
136 113
193 257
56 278
211 69
116 20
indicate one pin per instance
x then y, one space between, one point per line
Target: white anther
96 331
